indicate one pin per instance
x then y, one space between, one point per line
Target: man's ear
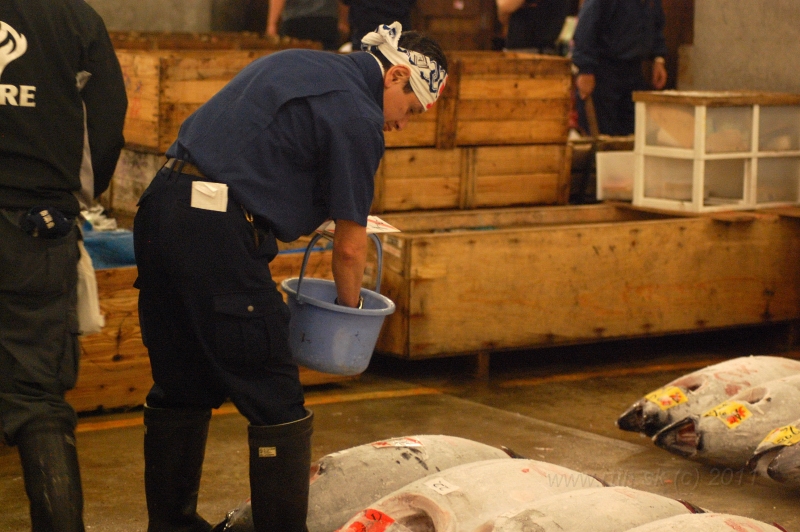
397 74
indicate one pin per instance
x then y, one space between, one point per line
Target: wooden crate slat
432 193
514 109
482 132
517 189
513 88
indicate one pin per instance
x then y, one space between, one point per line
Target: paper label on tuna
441 486
667 397
786 436
732 413
397 442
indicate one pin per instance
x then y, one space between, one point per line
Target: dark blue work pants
213 322
615 82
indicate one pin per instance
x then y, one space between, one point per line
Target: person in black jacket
62 108
363 16
612 39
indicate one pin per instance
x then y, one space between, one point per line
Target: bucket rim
333 307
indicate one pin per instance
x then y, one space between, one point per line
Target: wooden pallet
115 368
468 282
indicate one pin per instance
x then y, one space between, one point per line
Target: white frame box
714 151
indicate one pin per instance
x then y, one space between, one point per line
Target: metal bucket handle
378 249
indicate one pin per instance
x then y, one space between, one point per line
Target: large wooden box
115 368
412 178
169 75
496 98
472 177
468 282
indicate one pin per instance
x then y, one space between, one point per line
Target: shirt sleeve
106 103
584 54
354 148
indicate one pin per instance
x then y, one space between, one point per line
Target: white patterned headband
427 76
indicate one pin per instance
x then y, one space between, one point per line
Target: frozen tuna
695 393
345 482
729 433
467 496
597 509
778 455
708 522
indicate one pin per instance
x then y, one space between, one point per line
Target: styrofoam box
615 171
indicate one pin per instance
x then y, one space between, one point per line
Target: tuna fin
511 452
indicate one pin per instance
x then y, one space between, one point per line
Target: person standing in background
314 20
62 109
363 16
612 40
532 25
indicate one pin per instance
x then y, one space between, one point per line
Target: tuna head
643 416
785 467
681 438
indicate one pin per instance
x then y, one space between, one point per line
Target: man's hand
349 259
585 84
659 75
505 8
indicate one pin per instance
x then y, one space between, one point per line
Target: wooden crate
412 178
471 177
511 98
468 282
491 98
164 88
115 368
495 98
169 75
217 40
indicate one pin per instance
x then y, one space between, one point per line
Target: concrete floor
557 405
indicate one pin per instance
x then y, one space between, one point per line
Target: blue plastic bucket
328 337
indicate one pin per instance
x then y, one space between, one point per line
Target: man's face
398 105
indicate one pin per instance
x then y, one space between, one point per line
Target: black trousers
39 347
615 82
212 319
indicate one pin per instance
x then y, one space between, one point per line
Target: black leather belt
183 167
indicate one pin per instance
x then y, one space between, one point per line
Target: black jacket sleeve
106 103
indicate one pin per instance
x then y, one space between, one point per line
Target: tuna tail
680 438
785 467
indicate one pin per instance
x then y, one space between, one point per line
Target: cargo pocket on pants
252 331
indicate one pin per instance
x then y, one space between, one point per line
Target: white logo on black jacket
12 46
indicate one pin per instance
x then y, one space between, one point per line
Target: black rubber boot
52 477
174 448
280 459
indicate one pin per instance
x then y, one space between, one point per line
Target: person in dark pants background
363 16
532 25
611 41
62 108
293 140
314 20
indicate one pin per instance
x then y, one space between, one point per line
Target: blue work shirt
618 31
297 136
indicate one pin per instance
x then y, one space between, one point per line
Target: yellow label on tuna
731 413
667 397
788 435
